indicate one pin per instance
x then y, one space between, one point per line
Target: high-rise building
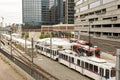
39 12
68 10
100 18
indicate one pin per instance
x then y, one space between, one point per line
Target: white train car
17 41
47 51
44 46
93 67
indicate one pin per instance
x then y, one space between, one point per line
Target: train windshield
83 51
97 53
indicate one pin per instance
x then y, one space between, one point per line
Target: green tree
42 36
68 34
26 35
23 34
47 35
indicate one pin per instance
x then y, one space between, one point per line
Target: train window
107 73
72 60
101 72
78 62
63 56
42 48
86 65
96 69
113 73
66 58
91 67
50 51
57 52
39 48
35 46
82 64
54 53
69 59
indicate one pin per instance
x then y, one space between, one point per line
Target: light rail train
93 67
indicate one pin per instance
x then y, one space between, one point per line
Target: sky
11 11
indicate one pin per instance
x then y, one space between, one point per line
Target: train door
101 73
107 74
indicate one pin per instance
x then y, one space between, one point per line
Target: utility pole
0 40
25 43
11 42
32 72
118 65
1 30
89 37
32 51
51 43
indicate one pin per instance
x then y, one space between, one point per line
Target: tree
68 34
26 35
42 36
47 35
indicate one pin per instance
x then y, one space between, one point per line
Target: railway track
25 60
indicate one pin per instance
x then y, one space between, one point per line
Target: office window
118 6
77 11
95 4
79 2
107 1
84 8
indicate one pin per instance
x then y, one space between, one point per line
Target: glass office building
42 12
69 11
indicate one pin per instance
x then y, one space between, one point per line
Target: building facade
100 18
69 11
40 12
